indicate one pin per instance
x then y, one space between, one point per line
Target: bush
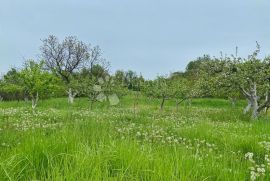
10 92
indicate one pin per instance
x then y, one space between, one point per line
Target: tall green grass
206 140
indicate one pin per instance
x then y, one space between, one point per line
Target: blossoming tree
251 76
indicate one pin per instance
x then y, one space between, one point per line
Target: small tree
183 89
37 82
162 89
100 89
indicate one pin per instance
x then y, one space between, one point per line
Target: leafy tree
37 82
100 89
11 86
95 71
177 75
183 90
160 88
119 77
251 77
195 67
12 77
148 89
9 92
89 89
66 57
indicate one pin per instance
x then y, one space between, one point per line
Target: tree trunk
266 104
177 106
266 99
233 101
266 110
34 101
136 102
162 103
247 109
178 103
71 96
252 102
26 99
255 107
189 102
91 104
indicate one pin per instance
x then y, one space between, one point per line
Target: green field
206 140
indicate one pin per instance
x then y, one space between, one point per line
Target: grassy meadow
204 140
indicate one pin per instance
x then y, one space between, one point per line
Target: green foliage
13 77
244 72
129 80
38 81
11 92
159 88
250 76
184 89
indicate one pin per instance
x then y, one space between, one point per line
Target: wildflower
249 156
253 175
260 170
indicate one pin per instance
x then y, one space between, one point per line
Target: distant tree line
73 68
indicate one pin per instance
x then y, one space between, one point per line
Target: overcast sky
154 37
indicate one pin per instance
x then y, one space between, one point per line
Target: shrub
10 92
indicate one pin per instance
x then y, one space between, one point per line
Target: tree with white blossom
251 76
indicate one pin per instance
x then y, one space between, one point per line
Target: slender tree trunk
266 109
71 96
136 102
91 104
134 107
177 106
162 103
233 101
247 108
266 99
178 103
35 101
254 103
189 101
254 107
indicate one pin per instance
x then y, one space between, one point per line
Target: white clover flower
253 176
249 155
138 133
169 138
261 170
